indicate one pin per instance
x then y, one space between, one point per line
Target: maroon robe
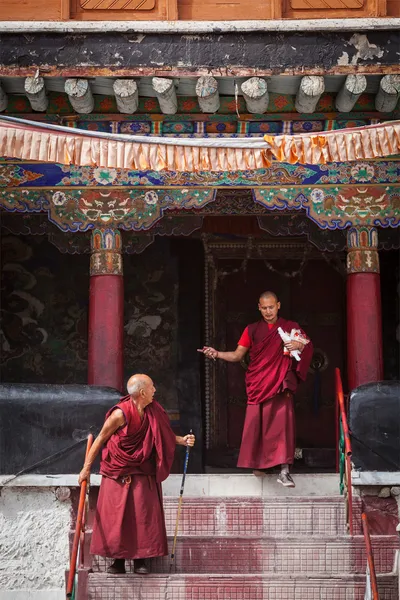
271 380
129 521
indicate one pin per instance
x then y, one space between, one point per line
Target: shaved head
138 382
268 294
269 305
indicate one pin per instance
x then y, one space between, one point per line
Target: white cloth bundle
296 336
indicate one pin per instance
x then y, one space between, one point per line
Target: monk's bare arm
114 421
235 356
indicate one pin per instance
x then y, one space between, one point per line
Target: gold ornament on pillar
106 257
362 250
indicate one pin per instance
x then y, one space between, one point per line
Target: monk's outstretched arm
114 421
235 356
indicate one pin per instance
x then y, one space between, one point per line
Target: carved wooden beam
35 91
126 95
388 94
255 93
166 94
353 87
3 99
207 94
80 95
310 91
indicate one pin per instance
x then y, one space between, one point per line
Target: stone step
311 556
257 516
260 516
221 485
234 587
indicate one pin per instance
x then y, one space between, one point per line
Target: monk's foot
258 473
286 480
118 567
140 566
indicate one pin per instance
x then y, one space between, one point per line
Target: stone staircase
232 546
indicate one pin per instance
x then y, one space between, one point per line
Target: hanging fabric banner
29 140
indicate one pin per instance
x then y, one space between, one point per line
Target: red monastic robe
129 521
271 380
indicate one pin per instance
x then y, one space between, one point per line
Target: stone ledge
53 594
379 478
196 27
200 486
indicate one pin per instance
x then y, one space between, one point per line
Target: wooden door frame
216 250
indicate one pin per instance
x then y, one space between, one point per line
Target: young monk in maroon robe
137 457
271 380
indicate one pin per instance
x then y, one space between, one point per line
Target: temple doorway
312 292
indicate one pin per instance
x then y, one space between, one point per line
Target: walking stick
179 505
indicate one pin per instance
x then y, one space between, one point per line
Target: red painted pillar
364 318
106 307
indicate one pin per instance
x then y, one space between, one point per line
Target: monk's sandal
140 566
286 480
117 568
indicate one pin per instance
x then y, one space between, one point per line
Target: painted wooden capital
362 250
106 257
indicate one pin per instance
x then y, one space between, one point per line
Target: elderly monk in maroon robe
139 447
271 380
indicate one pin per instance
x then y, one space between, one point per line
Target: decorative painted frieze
18 174
83 209
338 207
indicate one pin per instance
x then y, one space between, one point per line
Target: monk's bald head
141 386
269 305
268 294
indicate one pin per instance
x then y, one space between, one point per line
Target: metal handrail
344 430
371 580
79 528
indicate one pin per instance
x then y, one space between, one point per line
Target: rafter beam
166 94
80 95
3 99
353 87
255 93
207 94
310 91
388 94
126 95
35 91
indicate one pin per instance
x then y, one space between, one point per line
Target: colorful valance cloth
30 140
359 143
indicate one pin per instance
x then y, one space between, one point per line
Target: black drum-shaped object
374 422
37 421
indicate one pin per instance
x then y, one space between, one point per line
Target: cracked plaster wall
232 53
34 527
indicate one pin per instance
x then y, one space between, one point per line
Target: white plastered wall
34 528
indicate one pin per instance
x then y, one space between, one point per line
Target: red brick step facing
311 556
256 548
231 587
258 516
